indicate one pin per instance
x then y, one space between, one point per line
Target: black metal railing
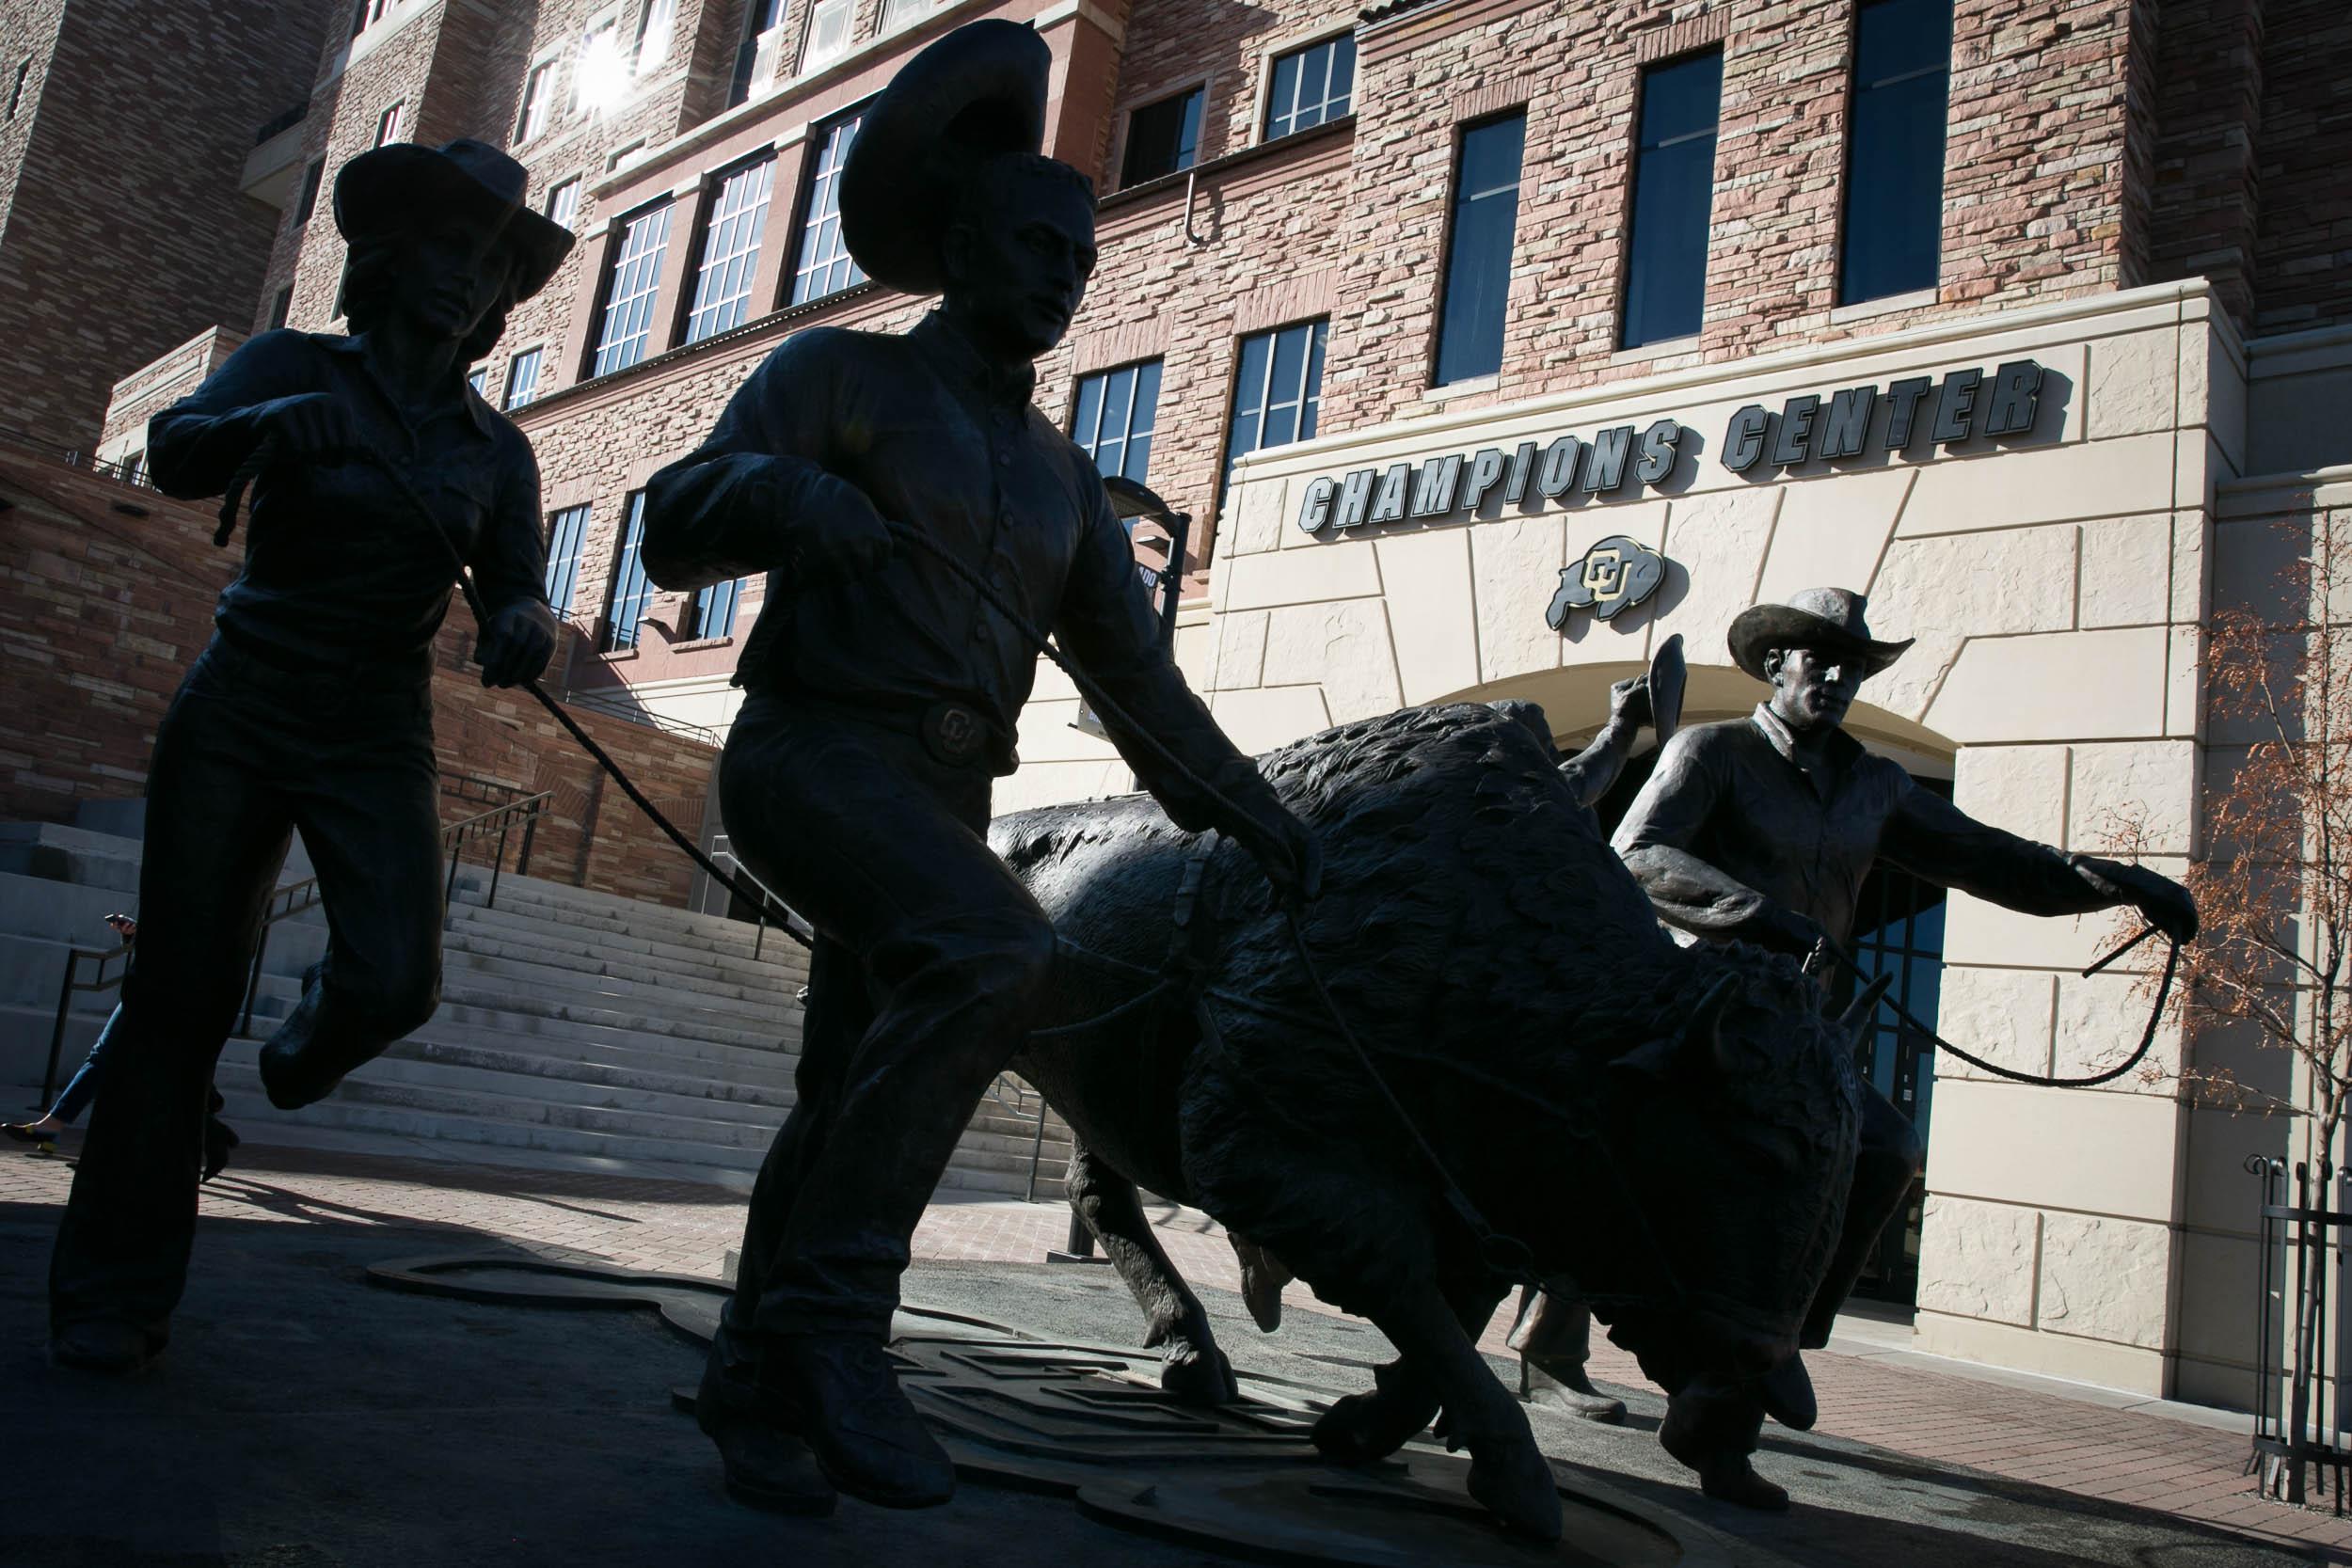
2298 1408
768 900
130 470
99 982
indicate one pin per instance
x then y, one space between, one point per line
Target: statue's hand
312 427
1286 849
838 535
1629 701
2165 902
1783 930
515 647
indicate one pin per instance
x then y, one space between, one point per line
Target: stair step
779 958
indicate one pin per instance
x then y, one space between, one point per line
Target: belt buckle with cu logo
954 733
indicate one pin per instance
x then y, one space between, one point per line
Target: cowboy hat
1829 619
385 191
976 92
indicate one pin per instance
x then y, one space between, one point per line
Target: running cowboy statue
310 708
1762 829
882 696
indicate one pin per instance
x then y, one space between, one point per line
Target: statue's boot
767 1465
320 1041
105 1345
1787 1393
842 1398
1554 1339
1711 1427
1564 1385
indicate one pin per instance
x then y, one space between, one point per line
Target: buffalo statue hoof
1511 1481
1198 1375
1735 1480
1363 1428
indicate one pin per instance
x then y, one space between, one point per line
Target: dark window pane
1281 104
1674 186
1894 216
632 591
1114 414
1309 85
1278 386
311 178
523 377
565 531
1162 139
712 611
1478 255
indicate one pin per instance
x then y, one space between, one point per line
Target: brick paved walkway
2119 1456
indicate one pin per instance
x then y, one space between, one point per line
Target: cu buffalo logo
1614 575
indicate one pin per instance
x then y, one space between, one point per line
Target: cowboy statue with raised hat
310 708
882 695
1762 829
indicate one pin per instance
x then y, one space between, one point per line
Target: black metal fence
2299 1415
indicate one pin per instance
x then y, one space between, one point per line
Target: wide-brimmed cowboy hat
386 191
976 92
1827 619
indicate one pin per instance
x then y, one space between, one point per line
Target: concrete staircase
577 1029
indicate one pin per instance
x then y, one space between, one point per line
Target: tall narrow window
479 379
1894 221
760 18
537 88
1673 190
738 214
600 75
311 179
564 203
1478 248
897 13
1112 418
387 126
655 25
281 308
1162 139
1277 390
565 531
711 611
1310 86
632 591
824 266
523 377
16 90
829 23
628 296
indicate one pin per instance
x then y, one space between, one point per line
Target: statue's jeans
246 754
930 959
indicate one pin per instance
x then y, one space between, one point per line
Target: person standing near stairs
312 707
856 779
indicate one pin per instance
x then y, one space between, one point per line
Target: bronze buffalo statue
1668 1129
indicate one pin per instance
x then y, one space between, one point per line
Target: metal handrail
294 898
767 897
65 1003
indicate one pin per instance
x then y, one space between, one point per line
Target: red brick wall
102 610
122 230
2303 243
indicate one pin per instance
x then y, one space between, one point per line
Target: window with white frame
1310 86
523 377
632 591
739 215
655 25
897 13
479 379
829 23
1112 418
387 126
538 88
564 203
823 267
1162 137
600 75
1277 390
631 290
567 531
711 611
760 19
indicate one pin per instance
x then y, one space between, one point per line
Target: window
16 91
601 74
564 203
479 379
1310 86
1894 219
628 293
654 25
722 291
1478 248
824 266
829 23
711 612
632 591
281 308
760 18
523 377
387 126
130 467
1673 189
367 14
1162 139
537 87
1277 390
565 531
1113 416
311 179
897 13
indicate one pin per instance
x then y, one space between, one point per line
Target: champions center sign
1852 422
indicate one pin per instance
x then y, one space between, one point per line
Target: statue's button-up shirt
938 440
338 567
1751 825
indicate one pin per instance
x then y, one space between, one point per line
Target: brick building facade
101 106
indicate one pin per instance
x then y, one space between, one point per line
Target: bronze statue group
882 701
